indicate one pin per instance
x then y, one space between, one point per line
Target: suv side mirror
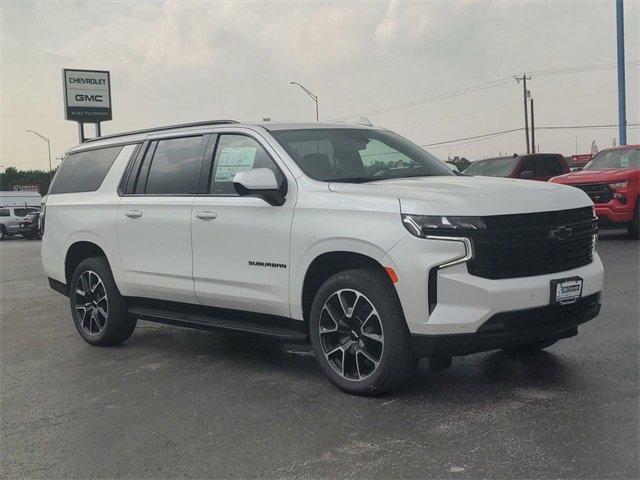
260 183
526 174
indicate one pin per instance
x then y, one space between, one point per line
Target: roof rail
159 129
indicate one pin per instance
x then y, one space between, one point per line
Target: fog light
621 197
594 243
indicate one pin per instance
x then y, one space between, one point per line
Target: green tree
12 177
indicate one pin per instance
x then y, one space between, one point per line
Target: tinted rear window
555 164
84 171
176 164
493 167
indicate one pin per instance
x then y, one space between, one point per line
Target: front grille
598 192
525 245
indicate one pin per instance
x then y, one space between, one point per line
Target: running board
199 321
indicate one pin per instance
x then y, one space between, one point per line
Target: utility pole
525 94
622 100
533 129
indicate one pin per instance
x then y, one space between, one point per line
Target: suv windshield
357 155
493 167
616 159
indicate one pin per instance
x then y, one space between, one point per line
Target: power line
503 132
581 69
444 96
584 127
485 86
493 134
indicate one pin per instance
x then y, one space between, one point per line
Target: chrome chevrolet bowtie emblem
560 233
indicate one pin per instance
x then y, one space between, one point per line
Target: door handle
206 215
133 213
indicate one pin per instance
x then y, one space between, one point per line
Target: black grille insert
525 245
598 192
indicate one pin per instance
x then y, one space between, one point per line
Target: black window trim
136 156
283 189
100 147
139 173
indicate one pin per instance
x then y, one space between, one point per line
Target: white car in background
10 218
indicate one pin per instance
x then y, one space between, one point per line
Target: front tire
99 311
359 334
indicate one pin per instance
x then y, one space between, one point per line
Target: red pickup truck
612 180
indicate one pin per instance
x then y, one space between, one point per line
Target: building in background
20 199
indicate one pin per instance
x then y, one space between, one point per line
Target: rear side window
84 171
20 212
175 166
4 212
554 165
493 167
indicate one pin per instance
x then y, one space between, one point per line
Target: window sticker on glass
233 160
624 160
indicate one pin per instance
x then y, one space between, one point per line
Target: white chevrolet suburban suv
349 237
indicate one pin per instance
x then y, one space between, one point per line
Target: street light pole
313 96
622 95
42 137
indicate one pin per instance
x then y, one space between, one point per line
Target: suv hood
597 176
453 195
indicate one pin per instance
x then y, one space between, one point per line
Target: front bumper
510 329
614 212
464 302
27 228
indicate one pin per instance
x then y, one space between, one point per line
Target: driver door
241 244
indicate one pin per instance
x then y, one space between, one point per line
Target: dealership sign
31 187
87 95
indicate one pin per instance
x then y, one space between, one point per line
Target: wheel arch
327 264
77 252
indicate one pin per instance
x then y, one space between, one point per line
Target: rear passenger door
241 244
153 223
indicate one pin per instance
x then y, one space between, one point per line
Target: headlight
619 185
425 225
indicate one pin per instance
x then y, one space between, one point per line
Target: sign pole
81 131
98 131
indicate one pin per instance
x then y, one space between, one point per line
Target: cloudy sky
174 61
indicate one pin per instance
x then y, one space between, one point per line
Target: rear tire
528 348
358 333
99 311
634 228
3 233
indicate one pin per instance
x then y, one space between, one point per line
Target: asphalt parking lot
174 403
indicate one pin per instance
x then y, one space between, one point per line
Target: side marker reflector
392 274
